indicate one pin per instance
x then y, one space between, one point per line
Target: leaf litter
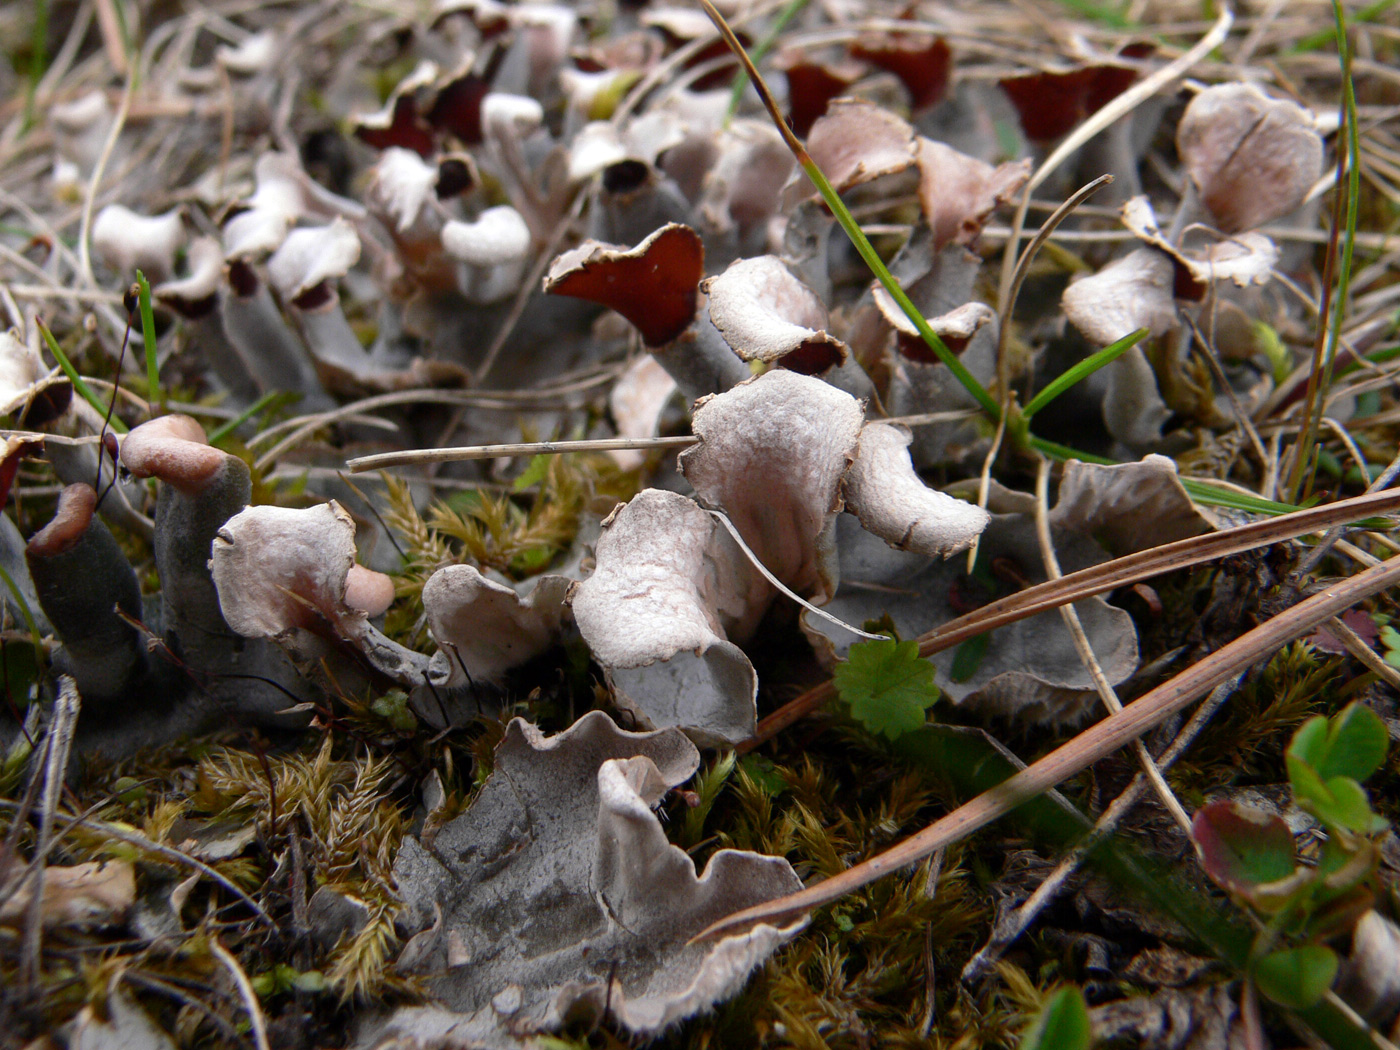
416 757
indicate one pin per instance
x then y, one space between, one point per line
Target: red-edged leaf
1242 847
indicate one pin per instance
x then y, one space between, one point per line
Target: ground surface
1280 392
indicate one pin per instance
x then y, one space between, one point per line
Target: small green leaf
1297 977
1309 741
1062 1024
533 474
393 708
967 658
1350 808
1340 802
1328 758
1350 744
887 685
129 790
1390 638
1356 744
1266 338
1082 370
764 773
1242 847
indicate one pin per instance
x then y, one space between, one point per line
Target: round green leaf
1242 847
1297 977
887 684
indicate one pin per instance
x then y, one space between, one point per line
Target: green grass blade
877 266
148 337
84 391
741 78
225 429
1212 495
1199 489
28 615
1060 453
1323 36
848 223
1085 368
38 60
1339 301
1338 282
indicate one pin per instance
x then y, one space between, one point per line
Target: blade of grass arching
1335 294
223 430
1212 495
1105 577
1023 265
148 337
38 60
1093 744
848 223
877 266
741 78
1199 489
1082 370
84 391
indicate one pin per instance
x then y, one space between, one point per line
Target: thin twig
1086 650
60 742
1357 647
78 295
984 486
417 457
245 990
723 519
109 23
1023 264
1007 933
1242 419
90 198
1098 579
1350 444
504 400
134 838
1315 556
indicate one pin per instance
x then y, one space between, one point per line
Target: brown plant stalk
1095 743
1098 579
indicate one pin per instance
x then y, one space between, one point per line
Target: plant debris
953 311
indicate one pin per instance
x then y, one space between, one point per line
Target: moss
1245 743
517 534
